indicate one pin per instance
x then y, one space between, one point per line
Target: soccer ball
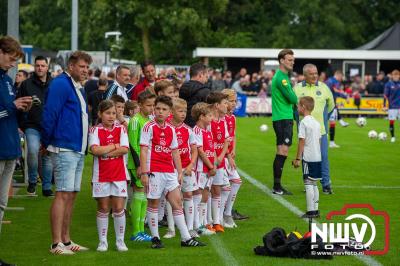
263 128
372 134
382 136
361 121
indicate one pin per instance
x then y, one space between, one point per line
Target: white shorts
394 114
232 173
160 182
203 181
189 183
220 178
334 115
107 189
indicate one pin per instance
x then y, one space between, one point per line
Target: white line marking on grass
361 187
223 253
368 260
369 187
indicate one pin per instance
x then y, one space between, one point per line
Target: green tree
167 31
46 23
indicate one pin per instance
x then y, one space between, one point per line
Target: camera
35 100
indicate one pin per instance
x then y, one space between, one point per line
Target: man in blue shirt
392 96
65 132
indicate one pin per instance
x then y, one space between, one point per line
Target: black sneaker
48 193
156 243
310 214
277 191
327 190
237 216
286 192
31 189
192 242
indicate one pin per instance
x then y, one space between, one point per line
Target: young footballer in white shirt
309 152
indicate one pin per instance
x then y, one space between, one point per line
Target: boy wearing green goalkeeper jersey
139 201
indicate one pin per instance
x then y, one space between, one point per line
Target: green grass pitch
362 171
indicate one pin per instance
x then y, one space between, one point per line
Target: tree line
168 31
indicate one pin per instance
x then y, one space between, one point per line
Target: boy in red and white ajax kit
160 157
233 176
108 142
205 169
187 147
219 105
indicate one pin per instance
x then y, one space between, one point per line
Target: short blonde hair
229 92
200 109
179 103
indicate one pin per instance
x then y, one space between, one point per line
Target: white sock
232 197
180 223
170 218
119 225
209 212
102 225
309 197
224 198
215 209
316 198
128 199
196 202
189 215
202 213
161 207
152 220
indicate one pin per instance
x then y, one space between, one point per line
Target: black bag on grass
277 244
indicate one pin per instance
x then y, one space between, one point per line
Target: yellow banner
368 106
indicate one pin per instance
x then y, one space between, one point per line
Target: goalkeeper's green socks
136 212
143 212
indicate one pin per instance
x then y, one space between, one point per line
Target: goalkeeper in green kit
283 100
139 203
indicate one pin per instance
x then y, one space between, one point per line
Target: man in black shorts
283 100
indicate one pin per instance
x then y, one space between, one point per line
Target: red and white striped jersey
160 140
231 125
204 139
220 133
185 138
109 169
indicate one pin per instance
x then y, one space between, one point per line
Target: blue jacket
62 118
10 146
